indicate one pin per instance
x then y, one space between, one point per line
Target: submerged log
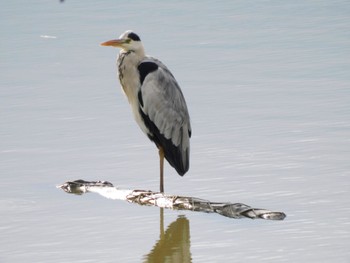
149 198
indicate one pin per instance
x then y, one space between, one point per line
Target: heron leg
161 165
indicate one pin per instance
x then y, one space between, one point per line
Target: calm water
267 85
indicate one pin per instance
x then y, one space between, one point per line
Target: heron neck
139 53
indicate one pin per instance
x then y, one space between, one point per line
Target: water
267 85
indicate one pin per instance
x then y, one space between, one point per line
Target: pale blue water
267 85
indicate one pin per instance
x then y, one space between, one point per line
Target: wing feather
164 105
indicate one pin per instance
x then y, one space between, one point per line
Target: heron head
127 41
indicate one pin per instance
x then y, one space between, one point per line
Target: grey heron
156 100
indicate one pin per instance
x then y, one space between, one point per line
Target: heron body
157 102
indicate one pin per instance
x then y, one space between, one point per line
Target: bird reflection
173 244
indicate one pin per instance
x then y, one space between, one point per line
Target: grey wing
164 111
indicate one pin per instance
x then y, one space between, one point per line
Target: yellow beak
113 43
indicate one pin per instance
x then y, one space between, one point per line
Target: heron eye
127 41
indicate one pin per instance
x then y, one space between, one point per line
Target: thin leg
161 164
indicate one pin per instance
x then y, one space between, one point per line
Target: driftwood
149 198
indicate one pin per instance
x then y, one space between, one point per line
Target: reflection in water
173 244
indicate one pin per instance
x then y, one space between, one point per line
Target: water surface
267 86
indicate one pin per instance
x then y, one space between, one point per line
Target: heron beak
113 43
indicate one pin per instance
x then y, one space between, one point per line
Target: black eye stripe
134 37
